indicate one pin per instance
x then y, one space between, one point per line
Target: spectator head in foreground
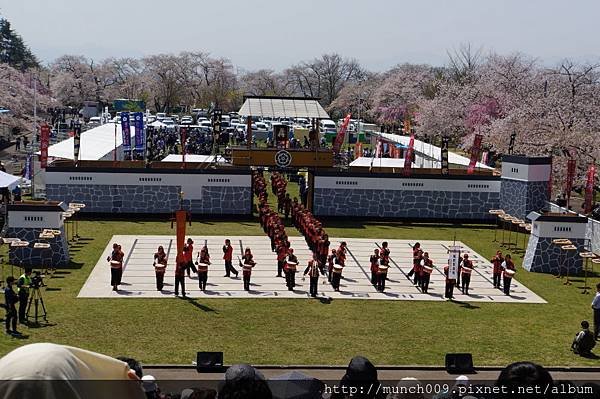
360 377
244 381
408 388
50 371
524 374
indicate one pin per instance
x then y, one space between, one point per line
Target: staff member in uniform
427 269
313 272
330 263
336 275
596 308
10 301
227 257
497 268
203 262
374 259
290 266
508 271
180 268
247 263
160 266
23 284
467 269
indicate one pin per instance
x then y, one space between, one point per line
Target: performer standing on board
116 266
417 256
467 269
203 263
227 257
427 269
290 266
247 263
180 268
160 266
508 271
374 260
313 272
497 268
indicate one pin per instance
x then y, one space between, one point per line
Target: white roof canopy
9 181
94 144
282 107
193 158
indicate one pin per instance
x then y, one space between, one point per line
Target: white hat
462 380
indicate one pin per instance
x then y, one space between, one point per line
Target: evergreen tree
13 50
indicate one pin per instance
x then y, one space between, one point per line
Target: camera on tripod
37 280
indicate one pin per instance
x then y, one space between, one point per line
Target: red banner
409 155
358 150
475 153
44 141
571 164
339 139
589 188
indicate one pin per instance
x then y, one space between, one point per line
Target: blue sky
274 34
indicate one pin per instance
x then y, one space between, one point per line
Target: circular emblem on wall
283 158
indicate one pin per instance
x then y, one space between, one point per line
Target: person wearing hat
290 270
180 268
467 269
150 387
507 276
426 270
336 275
313 272
188 251
23 284
330 263
374 260
10 300
116 266
227 257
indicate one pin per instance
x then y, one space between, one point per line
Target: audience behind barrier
26 371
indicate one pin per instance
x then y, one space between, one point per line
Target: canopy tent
9 181
283 107
95 144
157 124
425 152
193 158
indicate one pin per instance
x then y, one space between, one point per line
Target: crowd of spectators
44 371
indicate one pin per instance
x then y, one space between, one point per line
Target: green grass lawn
263 331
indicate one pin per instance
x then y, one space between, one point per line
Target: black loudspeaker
459 363
209 362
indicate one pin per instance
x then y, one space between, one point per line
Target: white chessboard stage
139 278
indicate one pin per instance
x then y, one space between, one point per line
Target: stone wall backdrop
56 256
405 203
151 199
543 256
519 198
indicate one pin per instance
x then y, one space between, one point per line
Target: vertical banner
444 156
409 153
44 142
475 153
571 165
27 169
183 133
378 148
484 157
180 220
138 124
589 188
453 261
341 134
358 150
126 131
76 140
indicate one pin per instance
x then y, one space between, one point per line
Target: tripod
37 300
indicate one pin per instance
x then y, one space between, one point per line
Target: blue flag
138 123
126 130
27 168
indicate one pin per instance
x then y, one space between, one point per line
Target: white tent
9 181
95 144
193 158
425 151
